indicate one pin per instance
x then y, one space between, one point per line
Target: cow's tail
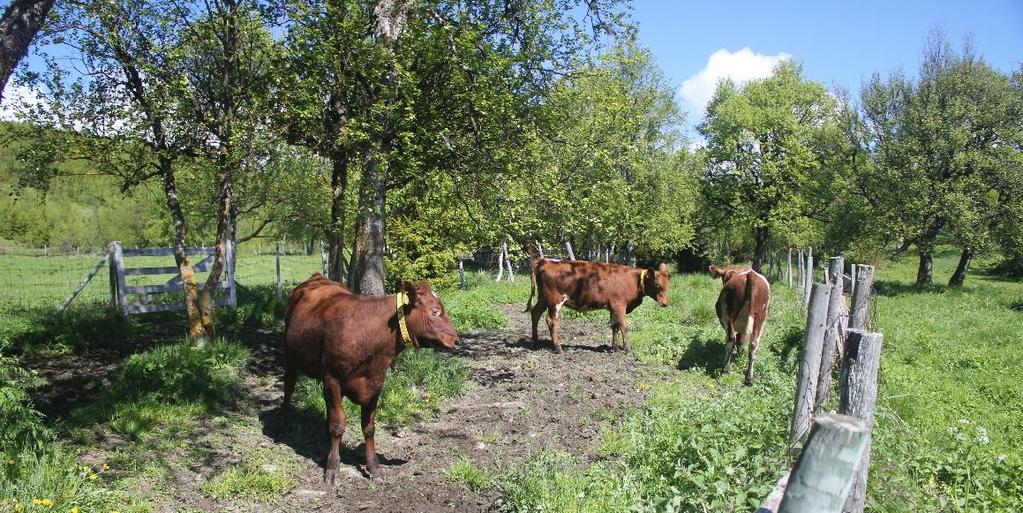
533 263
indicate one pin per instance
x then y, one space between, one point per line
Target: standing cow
583 286
742 309
348 341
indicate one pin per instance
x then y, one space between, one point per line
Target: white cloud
17 98
741 66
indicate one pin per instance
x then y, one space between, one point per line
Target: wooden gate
119 289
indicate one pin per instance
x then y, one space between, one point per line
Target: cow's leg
538 309
618 314
369 416
614 331
335 426
552 323
729 346
754 341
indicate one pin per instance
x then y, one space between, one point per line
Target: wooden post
800 265
232 289
277 272
788 269
834 330
500 263
539 249
809 362
822 477
858 398
323 259
507 262
852 279
861 297
461 273
809 274
117 253
568 247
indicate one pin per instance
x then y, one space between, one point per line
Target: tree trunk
336 230
366 273
925 271
959 276
200 325
21 21
760 235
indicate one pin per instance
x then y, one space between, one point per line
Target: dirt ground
518 401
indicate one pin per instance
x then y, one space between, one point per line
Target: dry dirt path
517 402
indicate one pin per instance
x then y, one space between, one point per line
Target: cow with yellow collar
348 341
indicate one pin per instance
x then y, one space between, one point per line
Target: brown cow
742 308
582 286
348 341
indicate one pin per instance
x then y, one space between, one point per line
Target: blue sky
839 43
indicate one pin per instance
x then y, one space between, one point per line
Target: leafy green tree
617 158
20 22
767 144
943 144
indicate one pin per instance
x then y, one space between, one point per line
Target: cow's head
725 272
656 283
427 321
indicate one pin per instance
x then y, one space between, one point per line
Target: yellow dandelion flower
106 467
92 477
11 462
73 510
37 502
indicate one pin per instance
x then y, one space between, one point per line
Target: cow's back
586 285
745 293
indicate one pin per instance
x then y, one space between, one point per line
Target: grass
466 473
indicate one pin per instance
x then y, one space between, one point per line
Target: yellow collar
642 276
401 299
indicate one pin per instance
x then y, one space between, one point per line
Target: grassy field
947 436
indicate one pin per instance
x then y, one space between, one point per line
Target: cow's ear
663 267
410 290
714 270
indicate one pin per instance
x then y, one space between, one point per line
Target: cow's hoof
375 472
748 382
558 350
330 476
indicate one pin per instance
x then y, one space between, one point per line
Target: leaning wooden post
809 362
858 398
568 247
852 278
277 261
834 330
507 261
861 297
822 477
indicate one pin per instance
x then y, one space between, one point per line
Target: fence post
809 275
500 263
323 259
833 333
568 247
117 254
507 262
821 479
861 297
277 259
852 279
232 289
809 362
858 398
788 271
461 273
